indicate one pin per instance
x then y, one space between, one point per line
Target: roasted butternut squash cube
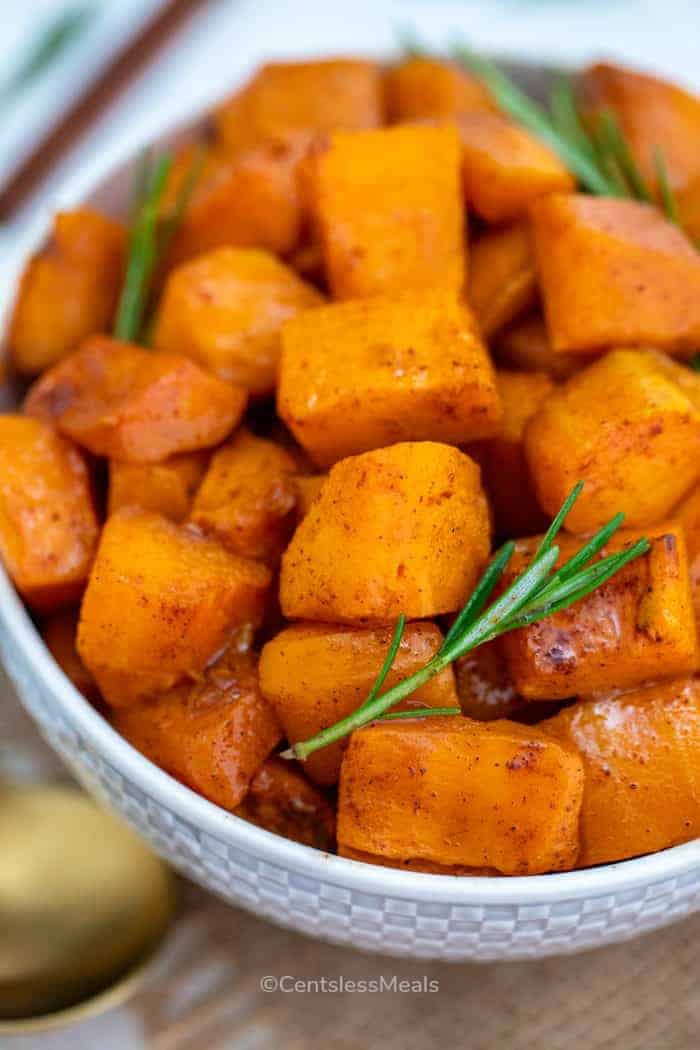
505 168
688 201
688 516
248 496
290 96
120 401
225 310
48 527
316 674
403 529
484 687
642 779
251 200
636 627
505 471
307 488
626 429
653 114
390 211
421 88
502 278
449 790
59 631
281 800
69 289
525 345
615 272
161 602
166 488
359 375
212 734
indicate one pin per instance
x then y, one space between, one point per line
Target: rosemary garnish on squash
596 152
539 591
150 235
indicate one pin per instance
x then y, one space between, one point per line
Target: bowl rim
205 816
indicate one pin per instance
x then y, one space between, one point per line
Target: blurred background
85 82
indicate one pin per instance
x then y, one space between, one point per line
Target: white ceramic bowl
373 908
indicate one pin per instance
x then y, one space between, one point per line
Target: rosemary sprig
51 44
599 156
151 234
537 592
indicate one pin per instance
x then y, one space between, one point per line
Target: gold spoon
83 904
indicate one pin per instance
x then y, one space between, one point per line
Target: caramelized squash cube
390 209
59 632
48 527
502 278
248 496
484 687
213 734
69 289
642 778
505 471
403 529
687 514
291 96
282 800
505 168
421 88
162 601
123 402
316 674
360 375
225 310
636 627
626 429
615 272
448 790
166 488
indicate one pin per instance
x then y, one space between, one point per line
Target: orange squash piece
452 791
292 96
653 114
360 375
502 278
213 734
636 627
403 529
48 526
120 401
628 430
484 687
281 800
316 674
505 471
251 200
390 210
225 310
59 632
642 778
166 488
69 289
688 516
505 168
247 499
161 602
421 88
615 272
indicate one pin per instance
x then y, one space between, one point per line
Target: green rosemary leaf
52 42
621 155
582 557
566 119
143 252
668 200
551 533
389 660
482 592
410 43
172 221
418 712
695 362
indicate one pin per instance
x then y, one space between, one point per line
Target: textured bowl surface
373 908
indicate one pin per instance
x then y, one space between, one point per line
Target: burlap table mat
205 991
